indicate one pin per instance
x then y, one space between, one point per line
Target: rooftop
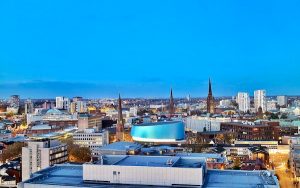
153 161
234 179
158 123
121 146
72 175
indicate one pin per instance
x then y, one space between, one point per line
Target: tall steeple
171 105
209 87
210 99
120 122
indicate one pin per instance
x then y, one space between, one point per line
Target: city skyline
100 49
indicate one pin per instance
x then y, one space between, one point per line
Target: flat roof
72 175
121 146
246 125
152 161
239 178
158 123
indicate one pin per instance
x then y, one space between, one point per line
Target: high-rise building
243 101
75 99
171 105
260 100
62 103
14 101
282 100
48 105
81 107
120 122
59 102
133 111
28 107
210 100
271 105
41 154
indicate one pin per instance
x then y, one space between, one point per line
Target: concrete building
148 171
14 101
120 148
87 121
252 131
225 103
282 100
62 103
243 100
41 154
133 111
29 108
204 124
91 139
271 105
260 100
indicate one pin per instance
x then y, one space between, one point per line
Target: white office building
243 100
62 103
282 100
271 105
41 154
133 111
260 100
91 139
204 124
225 103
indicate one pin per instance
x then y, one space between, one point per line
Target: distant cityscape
195 142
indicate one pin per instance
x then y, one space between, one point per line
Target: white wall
143 175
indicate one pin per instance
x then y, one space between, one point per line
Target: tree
237 163
76 153
12 151
228 137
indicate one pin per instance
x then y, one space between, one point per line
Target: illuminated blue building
160 132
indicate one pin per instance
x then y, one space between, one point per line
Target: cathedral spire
120 123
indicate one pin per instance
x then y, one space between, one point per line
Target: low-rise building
264 130
87 121
91 139
147 171
204 124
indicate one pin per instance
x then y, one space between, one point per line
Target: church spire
171 105
120 123
210 99
209 87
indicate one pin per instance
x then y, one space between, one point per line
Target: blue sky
142 48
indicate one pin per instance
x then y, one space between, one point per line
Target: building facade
282 100
252 131
41 154
91 139
243 100
260 100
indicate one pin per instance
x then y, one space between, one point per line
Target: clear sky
98 48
